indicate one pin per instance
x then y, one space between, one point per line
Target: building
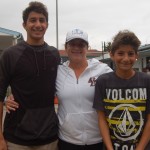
9 38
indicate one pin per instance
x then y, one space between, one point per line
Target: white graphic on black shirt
122 127
125 125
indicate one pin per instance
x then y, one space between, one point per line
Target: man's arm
2 140
104 129
145 136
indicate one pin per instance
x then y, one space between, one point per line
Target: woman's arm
104 129
11 104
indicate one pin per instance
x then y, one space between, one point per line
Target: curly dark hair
125 37
37 7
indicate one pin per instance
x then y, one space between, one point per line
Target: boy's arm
145 136
2 140
104 129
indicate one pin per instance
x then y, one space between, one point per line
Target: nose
75 46
126 57
38 23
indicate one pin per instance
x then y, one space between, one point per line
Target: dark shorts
62 145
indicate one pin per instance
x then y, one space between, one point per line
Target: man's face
36 27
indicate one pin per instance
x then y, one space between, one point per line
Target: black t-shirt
125 103
31 73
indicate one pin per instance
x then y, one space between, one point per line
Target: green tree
107 46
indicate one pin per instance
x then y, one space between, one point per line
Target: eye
42 20
82 45
32 20
71 44
131 53
120 53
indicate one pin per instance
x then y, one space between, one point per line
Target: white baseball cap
77 34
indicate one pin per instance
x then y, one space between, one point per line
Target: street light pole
57 24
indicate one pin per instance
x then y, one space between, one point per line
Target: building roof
16 34
9 38
144 47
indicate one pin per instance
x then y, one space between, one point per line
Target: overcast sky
101 19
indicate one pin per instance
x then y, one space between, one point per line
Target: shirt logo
127 128
124 128
92 80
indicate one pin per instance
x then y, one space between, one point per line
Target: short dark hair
37 7
125 37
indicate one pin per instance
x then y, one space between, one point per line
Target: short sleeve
99 96
148 97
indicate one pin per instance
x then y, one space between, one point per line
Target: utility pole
102 50
57 43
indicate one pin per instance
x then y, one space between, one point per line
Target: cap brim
70 39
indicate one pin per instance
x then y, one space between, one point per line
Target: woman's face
76 50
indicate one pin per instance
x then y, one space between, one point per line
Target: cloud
101 19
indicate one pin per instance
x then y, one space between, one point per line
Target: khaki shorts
51 146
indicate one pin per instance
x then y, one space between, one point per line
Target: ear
47 25
88 47
66 49
137 55
24 25
111 55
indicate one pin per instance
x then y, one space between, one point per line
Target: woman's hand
11 104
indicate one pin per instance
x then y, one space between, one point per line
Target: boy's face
124 58
36 27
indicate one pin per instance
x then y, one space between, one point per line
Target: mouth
76 52
37 30
126 65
